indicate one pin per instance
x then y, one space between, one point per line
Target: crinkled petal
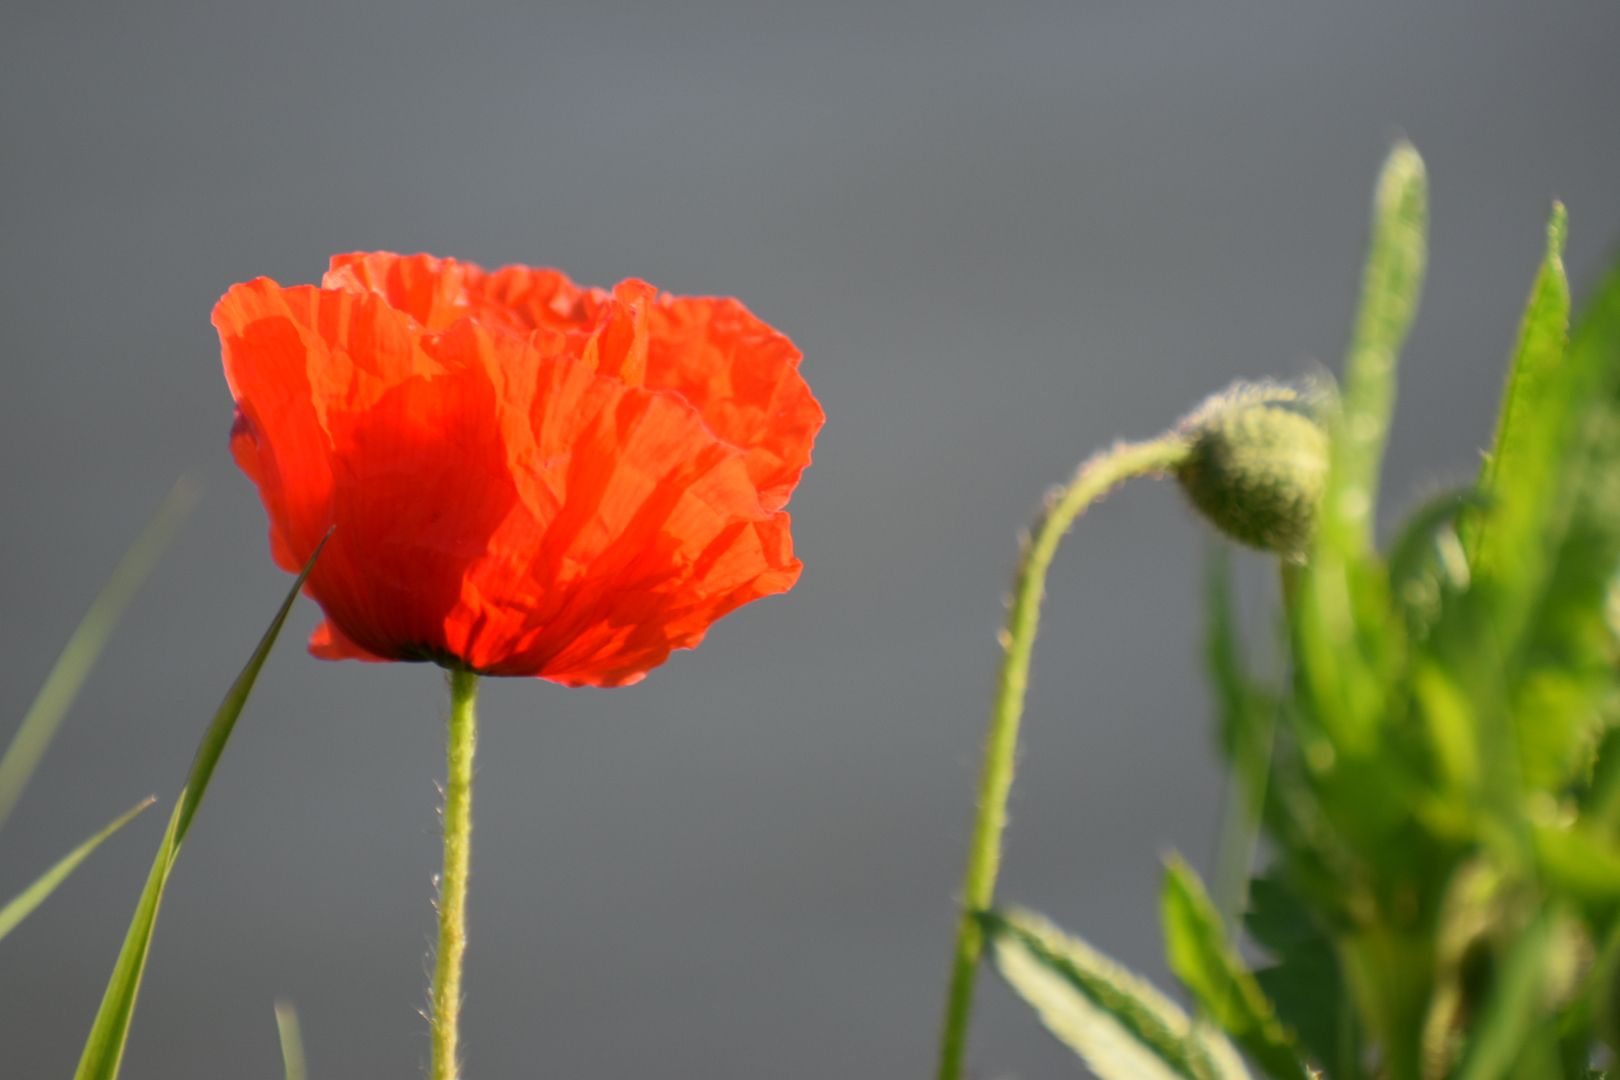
642 529
525 477
431 291
436 292
352 416
538 299
743 377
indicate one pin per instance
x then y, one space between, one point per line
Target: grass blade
23 904
84 645
292 1041
104 1050
1120 1026
1203 959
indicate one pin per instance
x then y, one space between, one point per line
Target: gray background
1003 234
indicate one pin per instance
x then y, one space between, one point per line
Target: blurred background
1003 235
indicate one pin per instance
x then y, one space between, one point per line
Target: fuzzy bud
1256 465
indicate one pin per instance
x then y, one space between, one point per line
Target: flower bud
1256 464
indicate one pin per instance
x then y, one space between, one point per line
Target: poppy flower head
527 477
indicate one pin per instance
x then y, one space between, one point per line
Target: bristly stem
1094 479
446 1015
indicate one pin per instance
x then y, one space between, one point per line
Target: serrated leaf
104 1049
1213 973
1530 645
1518 472
1305 983
1122 1028
23 904
84 646
1567 656
1547 551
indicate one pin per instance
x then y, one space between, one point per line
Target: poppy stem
1097 476
446 1014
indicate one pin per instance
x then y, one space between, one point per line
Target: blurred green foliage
1437 781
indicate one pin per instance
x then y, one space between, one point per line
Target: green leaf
1344 627
1600 802
1391 284
84 646
1530 646
1566 658
1306 983
1120 1026
1211 970
1426 561
1254 730
104 1050
292 1041
1511 1036
1245 712
1583 866
1518 471
1548 547
24 903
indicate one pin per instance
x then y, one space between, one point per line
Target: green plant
1438 778
61 688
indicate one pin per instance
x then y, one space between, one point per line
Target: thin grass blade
104 1050
292 1041
84 645
23 904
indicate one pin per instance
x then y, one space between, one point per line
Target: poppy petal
525 477
641 529
432 291
743 376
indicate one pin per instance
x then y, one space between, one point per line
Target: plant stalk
1096 477
446 1014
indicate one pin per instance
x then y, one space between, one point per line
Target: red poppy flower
527 477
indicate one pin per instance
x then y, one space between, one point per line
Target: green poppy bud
1256 464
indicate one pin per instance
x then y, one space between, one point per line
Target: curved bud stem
1096 477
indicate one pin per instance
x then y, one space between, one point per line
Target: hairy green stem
446 1015
1094 479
